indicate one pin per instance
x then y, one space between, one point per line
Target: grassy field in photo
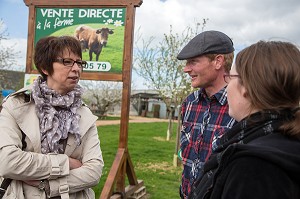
113 52
151 154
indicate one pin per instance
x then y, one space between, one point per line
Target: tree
102 95
163 72
7 53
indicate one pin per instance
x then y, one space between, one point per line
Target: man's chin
195 85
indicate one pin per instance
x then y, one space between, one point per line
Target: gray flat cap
208 42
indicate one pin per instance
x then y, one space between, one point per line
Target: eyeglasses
70 62
228 77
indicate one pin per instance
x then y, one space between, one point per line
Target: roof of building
145 94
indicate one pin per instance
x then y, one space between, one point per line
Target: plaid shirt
203 120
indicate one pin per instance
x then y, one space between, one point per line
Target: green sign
106 23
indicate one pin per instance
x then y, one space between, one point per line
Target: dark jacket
266 167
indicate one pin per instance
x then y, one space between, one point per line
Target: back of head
270 72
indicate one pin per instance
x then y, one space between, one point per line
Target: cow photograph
92 39
100 43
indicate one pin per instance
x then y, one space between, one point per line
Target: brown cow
93 39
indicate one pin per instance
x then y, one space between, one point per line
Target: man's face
202 71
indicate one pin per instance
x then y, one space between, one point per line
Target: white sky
245 21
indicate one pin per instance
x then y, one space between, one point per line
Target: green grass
112 53
151 154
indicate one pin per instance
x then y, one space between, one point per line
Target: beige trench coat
30 164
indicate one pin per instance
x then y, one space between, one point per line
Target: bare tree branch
102 95
8 54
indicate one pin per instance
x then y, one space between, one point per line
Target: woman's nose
77 67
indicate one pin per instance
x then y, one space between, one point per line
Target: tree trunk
169 131
176 161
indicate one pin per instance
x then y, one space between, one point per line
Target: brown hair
48 49
228 59
270 72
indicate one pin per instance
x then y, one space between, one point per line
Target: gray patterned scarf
57 115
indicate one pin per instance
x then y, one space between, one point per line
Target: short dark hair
48 49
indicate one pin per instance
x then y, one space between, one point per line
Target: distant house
148 103
145 103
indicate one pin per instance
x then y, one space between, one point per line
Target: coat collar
28 122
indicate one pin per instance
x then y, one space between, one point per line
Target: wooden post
126 165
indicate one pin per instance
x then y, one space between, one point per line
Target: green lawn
112 53
151 154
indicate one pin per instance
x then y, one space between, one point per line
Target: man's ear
219 59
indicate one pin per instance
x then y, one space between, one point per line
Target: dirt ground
132 119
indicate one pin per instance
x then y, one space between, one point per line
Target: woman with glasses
49 144
259 157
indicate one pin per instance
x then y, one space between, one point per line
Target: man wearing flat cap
205 117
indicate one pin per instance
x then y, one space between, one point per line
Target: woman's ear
45 72
244 92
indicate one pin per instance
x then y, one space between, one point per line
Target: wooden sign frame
122 164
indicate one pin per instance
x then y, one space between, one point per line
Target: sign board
106 19
29 79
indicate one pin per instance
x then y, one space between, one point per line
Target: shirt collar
220 96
